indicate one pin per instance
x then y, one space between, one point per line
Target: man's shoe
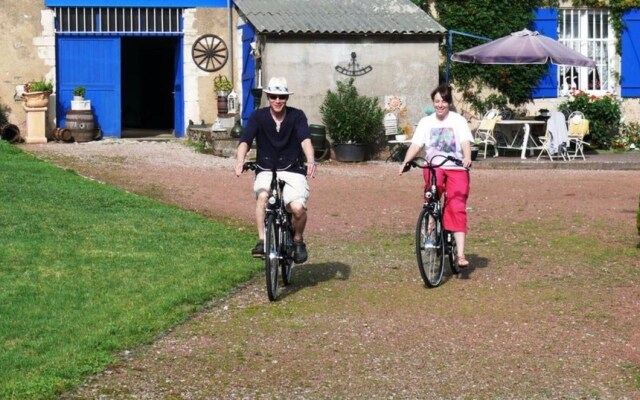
258 251
299 252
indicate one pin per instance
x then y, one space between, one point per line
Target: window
80 20
588 32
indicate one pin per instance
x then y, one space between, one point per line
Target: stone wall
401 68
28 53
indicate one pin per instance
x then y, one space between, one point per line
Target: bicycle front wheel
287 253
430 248
271 257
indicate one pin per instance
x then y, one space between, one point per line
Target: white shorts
295 190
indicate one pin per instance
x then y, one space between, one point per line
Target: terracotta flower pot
36 99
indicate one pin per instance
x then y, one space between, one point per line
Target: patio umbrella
523 47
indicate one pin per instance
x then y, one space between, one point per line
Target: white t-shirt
443 137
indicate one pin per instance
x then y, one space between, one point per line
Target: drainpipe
229 19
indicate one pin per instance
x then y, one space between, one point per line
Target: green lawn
87 270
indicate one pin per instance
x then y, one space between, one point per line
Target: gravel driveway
528 320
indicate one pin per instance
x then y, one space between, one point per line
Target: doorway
148 76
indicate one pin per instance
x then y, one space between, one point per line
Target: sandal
462 262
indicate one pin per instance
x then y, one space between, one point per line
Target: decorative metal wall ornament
210 52
353 68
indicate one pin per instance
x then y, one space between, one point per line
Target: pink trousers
455 183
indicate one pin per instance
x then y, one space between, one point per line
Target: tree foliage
492 19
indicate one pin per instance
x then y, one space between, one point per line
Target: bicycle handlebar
421 162
254 165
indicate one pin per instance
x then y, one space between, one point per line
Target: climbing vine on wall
491 19
494 20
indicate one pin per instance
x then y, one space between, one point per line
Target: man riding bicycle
282 136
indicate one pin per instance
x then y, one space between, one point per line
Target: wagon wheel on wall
210 52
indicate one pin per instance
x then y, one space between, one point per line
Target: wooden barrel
10 133
223 104
318 136
62 134
81 125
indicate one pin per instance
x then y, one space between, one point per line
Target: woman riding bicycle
447 133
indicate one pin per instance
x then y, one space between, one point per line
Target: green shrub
628 138
602 112
351 117
4 114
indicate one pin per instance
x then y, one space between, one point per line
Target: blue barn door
93 62
178 93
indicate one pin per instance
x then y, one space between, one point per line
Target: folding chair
484 133
554 142
578 128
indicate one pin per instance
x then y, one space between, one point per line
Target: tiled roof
379 17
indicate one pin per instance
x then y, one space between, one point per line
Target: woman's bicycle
434 245
278 233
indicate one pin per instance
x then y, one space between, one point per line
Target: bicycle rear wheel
271 257
430 248
452 250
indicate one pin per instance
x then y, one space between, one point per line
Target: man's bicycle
435 246
278 233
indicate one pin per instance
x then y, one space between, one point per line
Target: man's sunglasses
279 96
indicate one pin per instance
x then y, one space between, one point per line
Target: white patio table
511 140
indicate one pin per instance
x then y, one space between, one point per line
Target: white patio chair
578 128
484 133
555 140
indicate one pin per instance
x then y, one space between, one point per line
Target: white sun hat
277 85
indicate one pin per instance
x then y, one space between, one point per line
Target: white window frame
589 32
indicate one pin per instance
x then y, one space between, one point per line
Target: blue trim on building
137 3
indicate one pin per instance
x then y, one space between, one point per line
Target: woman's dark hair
445 93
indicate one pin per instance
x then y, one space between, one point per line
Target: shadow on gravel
308 275
475 262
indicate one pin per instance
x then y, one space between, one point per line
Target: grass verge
87 270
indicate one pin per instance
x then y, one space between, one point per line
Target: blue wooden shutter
546 23
630 70
93 62
248 72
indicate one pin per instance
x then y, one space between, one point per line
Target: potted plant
79 92
352 120
223 86
36 93
79 102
